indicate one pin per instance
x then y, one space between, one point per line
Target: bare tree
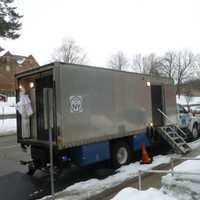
197 72
185 67
70 52
118 61
168 67
188 97
146 64
137 64
180 66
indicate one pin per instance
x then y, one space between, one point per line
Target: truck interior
157 103
36 87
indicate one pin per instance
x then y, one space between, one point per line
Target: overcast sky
102 27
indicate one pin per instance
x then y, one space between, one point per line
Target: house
11 64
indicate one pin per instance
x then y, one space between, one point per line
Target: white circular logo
76 103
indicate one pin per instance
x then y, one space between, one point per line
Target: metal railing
166 117
170 171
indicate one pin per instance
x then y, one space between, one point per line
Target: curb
107 193
8 134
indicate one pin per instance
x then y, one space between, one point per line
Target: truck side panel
91 153
101 104
100 151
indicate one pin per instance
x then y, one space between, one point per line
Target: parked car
188 122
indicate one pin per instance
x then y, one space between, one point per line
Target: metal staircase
169 133
172 136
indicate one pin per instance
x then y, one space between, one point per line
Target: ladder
177 142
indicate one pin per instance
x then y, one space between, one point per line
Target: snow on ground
182 100
86 189
8 107
7 127
195 144
177 187
134 194
184 185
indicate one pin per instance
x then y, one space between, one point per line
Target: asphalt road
12 174
15 184
10 154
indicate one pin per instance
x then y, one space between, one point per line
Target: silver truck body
92 104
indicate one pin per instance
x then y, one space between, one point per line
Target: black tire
121 154
195 132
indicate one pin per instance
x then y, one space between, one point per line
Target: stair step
173 136
171 132
180 144
174 139
185 149
177 140
186 146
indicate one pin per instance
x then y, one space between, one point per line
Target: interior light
151 124
31 85
20 86
148 83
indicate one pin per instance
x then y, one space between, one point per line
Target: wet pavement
16 184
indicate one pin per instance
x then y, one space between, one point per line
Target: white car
188 123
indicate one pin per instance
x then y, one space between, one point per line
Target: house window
7 68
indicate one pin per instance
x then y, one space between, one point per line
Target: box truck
96 114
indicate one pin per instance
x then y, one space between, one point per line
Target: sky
103 27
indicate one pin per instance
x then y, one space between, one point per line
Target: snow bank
195 144
181 100
7 127
177 187
87 189
151 193
185 185
8 107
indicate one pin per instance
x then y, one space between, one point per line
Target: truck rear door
44 111
35 86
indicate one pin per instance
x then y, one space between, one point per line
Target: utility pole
48 93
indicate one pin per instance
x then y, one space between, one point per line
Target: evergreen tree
9 20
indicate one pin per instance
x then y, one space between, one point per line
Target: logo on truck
76 103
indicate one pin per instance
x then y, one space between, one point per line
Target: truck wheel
195 133
121 154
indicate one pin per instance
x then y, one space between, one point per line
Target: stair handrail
171 122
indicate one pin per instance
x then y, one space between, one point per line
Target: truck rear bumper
39 143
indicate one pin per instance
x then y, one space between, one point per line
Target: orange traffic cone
145 159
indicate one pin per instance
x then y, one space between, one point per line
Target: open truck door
43 85
38 87
35 87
